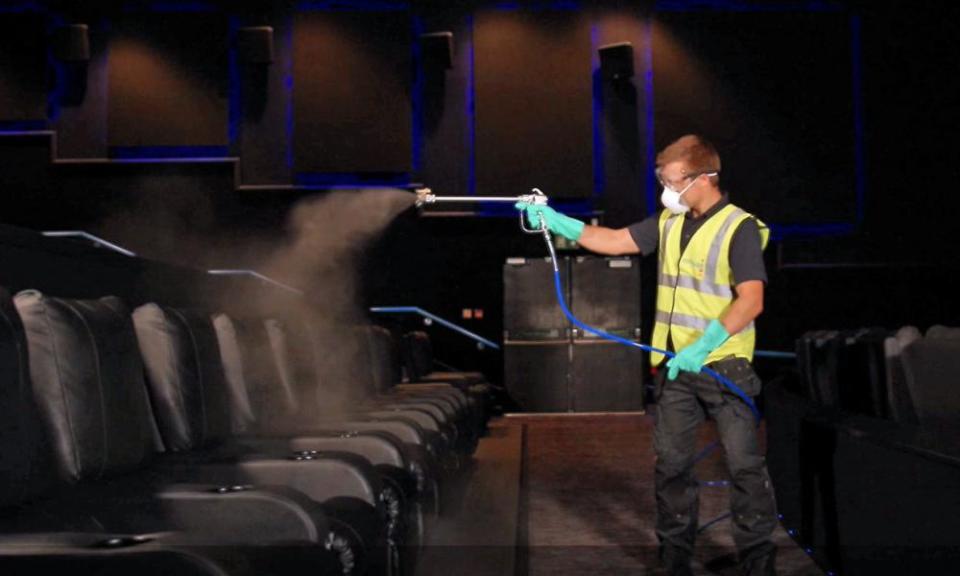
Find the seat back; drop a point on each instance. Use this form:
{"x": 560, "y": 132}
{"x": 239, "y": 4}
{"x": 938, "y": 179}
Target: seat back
{"x": 899, "y": 401}
{"x": 238, "y": 374}
{"x": 386, "y": 367}
{"x": 341, "y": 361}
{"x": 932, "y": 370}
{"x": 862, "y": 378}
{"x": 289, "y": 372}
{"x": 257, "y": 360}
{"x": 417, "y": 355}
{"x": 817, "y": 366}
{"x": 187, "y": 391}
{"x": 941, "y": 332}
{"x": 25, "y": 466}
{"x": 88, "y": 382}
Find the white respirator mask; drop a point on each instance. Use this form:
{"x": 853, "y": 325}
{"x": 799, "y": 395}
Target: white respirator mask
{"x": 671, "y": 198}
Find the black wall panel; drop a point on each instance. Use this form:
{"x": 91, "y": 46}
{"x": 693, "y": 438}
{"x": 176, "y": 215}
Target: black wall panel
{"x": 774, "y": 92}
{"x": 23, "y": 67}
{"x": 168, "y": 80}
{"x": 534, "y": 103}
{"x": 352, "y": 81}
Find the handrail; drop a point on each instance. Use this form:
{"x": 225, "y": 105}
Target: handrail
{"x": 254, "y": 273}
{"x": 434, "y": 318}
{"x": 88, "y": 236}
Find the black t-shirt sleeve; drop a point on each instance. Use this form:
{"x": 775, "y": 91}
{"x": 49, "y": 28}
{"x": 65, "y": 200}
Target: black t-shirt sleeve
{"x": 646, "y": 234}
{"x": 746, "y": 253}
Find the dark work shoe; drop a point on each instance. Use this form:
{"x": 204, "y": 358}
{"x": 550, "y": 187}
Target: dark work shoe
{"x": 761, "y": 562}
{"x": 675, "y": 561}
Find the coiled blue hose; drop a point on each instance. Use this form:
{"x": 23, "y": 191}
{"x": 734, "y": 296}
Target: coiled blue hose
{"x": 613, "y": 337}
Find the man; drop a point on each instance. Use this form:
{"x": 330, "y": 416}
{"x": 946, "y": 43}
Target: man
{"x": 710, "y": 289}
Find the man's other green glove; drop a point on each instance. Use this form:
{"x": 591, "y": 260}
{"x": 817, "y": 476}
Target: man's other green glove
{"x": 691, "y": 358}
{"x": 565, "y": 226}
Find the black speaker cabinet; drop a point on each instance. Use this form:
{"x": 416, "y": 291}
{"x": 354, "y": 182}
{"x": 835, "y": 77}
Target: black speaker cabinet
{"x": 71, "y": 43}
{"x": 606, "y": 294}
{"x": 616, "y": 61}
{"x": 255, "y": 44}
{"x": 551, "y": 368}
{"x": 606, "y": 377}
{"x": 437, "y": 49}
{"x": 530, "y": 310}
{"x": 536, "y": 375}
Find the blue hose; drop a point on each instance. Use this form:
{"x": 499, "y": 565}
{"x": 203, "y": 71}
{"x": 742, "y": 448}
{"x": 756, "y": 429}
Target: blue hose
{"x": 576, "y": 322}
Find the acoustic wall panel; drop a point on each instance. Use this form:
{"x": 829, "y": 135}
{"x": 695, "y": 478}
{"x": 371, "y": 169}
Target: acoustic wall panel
{"x": 534, "y": 103}
{"x": 23, "y": 67}
{"x": 352, "y": 92}
{"x": 164, "y": 91}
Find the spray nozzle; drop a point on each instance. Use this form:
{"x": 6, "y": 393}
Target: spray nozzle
{"x": 425, "y": 196}
{"x": 537, "y": 198}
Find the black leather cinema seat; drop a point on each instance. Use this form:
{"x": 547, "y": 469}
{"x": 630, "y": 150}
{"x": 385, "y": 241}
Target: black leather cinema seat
{"x": 355, "y": 389}
{"x": 471, "y": 396}
{"x": 249, "y": 364}
{"x": 192, "y": 402}
{"x": 98, "y": 520}
{"x": 419, "y": 361}
{"x": 87, "y": 377}
{"x": 931, "y": 368}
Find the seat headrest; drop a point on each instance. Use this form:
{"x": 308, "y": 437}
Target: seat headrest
{"x": 184, "y": 376}
{"x": 25, "y": 463}
{"x": 88, "y": 382}
{"x": 232, "y": 355}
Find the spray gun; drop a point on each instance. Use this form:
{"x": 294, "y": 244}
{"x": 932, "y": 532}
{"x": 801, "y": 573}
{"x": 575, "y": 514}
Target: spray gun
{"x": 536, "y": 197}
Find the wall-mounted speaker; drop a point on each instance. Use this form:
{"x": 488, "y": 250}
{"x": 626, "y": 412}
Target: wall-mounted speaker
{"x": 437, "y": 49}
{"x": 616, "y": 61}
{"x": 255, "y": 44}
{"x": 71, "y": 43}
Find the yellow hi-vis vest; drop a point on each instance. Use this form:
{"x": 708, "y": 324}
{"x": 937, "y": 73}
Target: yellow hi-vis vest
{"x": 696, "y": 286}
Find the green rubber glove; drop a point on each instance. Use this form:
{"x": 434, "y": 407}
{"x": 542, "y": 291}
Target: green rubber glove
{"x": 691, "y": 358}
{"x": 565, "y": 226}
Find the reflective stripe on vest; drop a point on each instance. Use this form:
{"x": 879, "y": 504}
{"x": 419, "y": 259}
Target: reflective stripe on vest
{"x": 695, "y": 286}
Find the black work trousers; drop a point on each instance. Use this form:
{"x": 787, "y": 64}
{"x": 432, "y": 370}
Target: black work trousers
{"x": 682, "y": 405}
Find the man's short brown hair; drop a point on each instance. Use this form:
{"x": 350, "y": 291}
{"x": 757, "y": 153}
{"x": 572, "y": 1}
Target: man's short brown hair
{"x": 693, "y": 150}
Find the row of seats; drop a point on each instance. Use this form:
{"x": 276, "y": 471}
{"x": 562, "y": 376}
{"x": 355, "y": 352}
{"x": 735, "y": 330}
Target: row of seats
{"x": 862, "y": 449}
{"x": 900, "y": 375}
{"x": 168, "y": 440}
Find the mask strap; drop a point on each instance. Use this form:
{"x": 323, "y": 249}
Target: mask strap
{"x": 692, "y": 182}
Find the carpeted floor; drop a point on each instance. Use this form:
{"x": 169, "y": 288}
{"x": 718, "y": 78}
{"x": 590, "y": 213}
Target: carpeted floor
{"x": 587, "y": 501}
